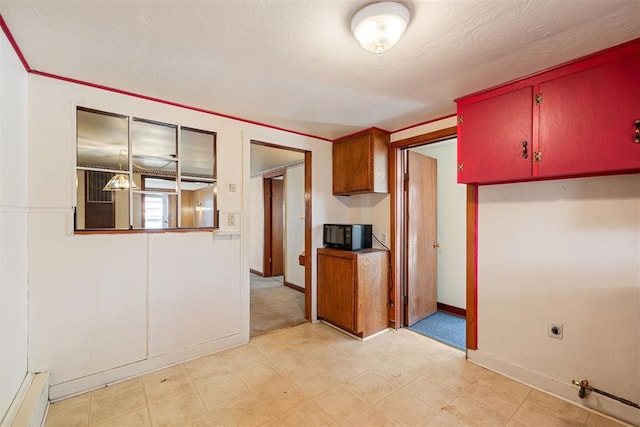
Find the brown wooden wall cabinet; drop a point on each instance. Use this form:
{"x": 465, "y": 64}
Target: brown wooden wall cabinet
{"x": 352, "y": 289}
{"x": 360, "y": 163}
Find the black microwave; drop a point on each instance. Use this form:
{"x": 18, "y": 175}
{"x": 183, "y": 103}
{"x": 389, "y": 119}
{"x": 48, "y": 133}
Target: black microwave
{"x": 350, "y": 237}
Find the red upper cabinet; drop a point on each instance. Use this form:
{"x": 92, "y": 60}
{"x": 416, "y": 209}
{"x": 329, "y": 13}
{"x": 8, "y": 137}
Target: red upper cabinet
{"x": 577, "y": 119}
{"x": 587, "y": 120}
{"x": 497, "y": 138}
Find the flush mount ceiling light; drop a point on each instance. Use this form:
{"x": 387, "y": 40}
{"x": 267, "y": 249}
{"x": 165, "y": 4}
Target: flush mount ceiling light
{"x": 378, "y": 26}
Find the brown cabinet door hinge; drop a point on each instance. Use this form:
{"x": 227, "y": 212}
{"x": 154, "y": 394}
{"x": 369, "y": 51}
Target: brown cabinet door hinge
{"x": 460, "y": 167}
{"x": 460, "y": 119}
{"x": 538, "y": 99}
{"x": 537, "y": 156}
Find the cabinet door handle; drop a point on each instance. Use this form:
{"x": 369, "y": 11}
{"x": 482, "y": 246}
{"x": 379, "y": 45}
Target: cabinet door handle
{"x": 525, "y": 153}
{"x": 636, "y": 139}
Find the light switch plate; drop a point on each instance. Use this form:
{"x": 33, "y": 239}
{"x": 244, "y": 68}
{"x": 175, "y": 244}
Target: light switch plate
{"x": 229, "y": 221}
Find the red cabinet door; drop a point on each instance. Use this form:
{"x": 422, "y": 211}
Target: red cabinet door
{"x": 491, "y": 138}
{"x": 587, "y": 120}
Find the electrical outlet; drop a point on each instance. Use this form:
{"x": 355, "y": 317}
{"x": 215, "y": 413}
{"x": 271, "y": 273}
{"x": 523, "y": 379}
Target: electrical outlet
{"x": 555, "y": 330}
{"x": 383, "y": 237}
{"x": 231, "y": 220}
{"x": 232, "y": 187}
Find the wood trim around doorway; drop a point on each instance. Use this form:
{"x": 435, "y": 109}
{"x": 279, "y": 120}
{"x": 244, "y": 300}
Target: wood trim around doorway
{"x": 307, "y": 221}
{"x": 472, "y": 267}
{"x": 396, "y": 309}
{"x": 307, "y": 235}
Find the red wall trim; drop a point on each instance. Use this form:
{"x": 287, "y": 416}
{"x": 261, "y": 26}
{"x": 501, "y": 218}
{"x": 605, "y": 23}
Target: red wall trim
{"x": 174, "y": 104}
{"x": 15, "y": 46}
{"x": 30, "y": 70}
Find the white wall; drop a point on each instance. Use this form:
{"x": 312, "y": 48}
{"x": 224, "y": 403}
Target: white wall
{"x": 106, "y": 307}
{"x": 371, "y": 209}
{"x": 451, "y": 224}
{"x": 566, "y": 251}
{"x": 13, "y": 225}
{"x": 294, "y": 224}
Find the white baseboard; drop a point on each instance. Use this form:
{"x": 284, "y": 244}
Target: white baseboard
{"x": 30, "y": 405}
{"x": 122, "y": 373}
{"x": 561, "y": 389}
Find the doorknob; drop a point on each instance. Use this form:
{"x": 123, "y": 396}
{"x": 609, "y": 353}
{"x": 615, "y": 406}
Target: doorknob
{"x": 436, "y": 245}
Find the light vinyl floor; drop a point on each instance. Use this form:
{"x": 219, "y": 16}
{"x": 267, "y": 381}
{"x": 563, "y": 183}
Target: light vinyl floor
{"x": 312, "y": 375}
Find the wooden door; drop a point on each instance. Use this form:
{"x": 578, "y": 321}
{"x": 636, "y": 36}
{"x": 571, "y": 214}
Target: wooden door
{"x": 492, "y": 134}
{"x": 273, "y": 248}
{"x": 420, "y": 214}
{"x": 277, "y": 227}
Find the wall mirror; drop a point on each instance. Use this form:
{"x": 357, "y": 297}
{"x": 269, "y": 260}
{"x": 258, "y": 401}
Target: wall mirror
{"x": 133, "y": 173}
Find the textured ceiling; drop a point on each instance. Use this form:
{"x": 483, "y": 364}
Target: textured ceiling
{"x": 296, "y": 65}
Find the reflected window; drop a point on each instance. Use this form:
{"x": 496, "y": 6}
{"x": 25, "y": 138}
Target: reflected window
{"x": 134, "y": 173}
{"x": 155, "y": 213}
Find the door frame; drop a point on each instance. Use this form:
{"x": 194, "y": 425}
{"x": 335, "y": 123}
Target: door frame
{"x": 307, "y": 221}
{"x": 398, "y": 270}
{"x": 268, "y": 221}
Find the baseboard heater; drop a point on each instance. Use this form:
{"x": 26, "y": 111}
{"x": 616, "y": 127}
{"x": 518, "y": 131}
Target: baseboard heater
{"x": 584, "y": 386}
{"x": 30, "y": 406}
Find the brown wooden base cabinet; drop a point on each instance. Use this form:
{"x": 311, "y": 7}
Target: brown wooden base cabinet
{"x": 353, "y": 289}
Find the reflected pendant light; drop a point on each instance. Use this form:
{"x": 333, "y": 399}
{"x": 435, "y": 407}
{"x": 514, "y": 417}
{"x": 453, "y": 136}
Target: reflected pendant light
{"x": 119, "y": 181}
{"x": 378, "y": 26}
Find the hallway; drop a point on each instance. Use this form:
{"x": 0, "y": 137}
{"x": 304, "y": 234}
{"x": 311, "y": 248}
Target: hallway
{"x": 273, "y": 305}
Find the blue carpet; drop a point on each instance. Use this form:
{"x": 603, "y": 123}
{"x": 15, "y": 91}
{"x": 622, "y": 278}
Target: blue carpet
{"x": 443, "y": 327}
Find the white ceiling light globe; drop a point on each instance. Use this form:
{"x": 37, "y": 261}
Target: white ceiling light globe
{"x": 378, "y": 26}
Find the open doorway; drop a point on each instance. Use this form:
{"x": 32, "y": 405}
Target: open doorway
{"x": 453, "y": 271}
{"x": 279, "y": 208}
{"x": 435, "y": 210}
